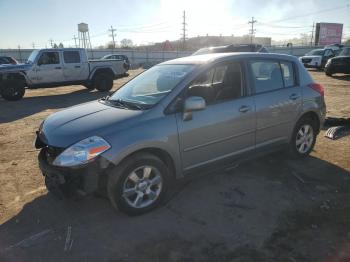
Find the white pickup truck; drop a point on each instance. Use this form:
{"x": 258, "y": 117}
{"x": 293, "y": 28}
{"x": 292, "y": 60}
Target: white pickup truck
{"x": 59, "y": 67}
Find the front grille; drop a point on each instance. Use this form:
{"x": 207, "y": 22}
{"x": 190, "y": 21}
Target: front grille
{"x": 52, "y": 152}
{"x": 306, "y": 60}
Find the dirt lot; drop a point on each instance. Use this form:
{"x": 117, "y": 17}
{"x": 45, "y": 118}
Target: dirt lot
{"x": 269, "y": 209}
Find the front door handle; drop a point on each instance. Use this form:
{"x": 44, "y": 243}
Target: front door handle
{"x": 244, "y": 109}
{"x": 58, "y": 67}
{"x": 294, "y": 96}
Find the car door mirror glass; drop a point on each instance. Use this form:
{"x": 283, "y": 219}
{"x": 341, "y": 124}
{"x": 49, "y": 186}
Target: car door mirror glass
{"x": 192, "y": 103}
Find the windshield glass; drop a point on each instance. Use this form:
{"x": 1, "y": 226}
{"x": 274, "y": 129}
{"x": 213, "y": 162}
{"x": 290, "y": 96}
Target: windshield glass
{"x": 32, "y": 56}
{"x": 345, "y": 52}
{"x": 316, "y": 52}
{"x": 150, "y": 87}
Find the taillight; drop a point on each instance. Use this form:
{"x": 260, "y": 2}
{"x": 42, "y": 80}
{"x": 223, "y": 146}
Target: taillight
{"x": 318, "y": 88}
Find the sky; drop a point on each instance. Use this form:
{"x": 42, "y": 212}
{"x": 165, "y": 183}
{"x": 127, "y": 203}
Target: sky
{"x": 35, "y": 22}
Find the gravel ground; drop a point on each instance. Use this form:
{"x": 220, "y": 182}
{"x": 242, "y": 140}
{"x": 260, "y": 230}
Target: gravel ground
{"x": 268, "y": 209}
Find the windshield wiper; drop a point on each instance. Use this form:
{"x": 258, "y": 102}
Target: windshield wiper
{"x": 126, "y": 104}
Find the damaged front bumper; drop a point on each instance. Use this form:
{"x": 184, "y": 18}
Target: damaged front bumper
{"x": 66, "y": 181}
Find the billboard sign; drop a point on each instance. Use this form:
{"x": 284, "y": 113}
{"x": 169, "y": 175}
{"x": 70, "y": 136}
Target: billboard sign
{"x": 328, "y": 33}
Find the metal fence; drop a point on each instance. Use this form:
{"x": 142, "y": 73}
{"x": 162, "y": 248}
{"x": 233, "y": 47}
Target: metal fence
{"x": 148, "y": 58}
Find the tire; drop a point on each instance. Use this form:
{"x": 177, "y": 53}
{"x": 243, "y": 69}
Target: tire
{"x": 12, "y": 90}
{"x": 328, "y": 72}
{"x": 303, "y": 138}
{"x": 103, "y": 82}
{"x": 130, "y": 184}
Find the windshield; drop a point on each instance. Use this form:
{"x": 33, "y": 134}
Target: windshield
{"x": 316, "y": 52}
{"x": 32, "y": 57}
{"x": 150, "y": 87}
{"x": 345, "y": 52}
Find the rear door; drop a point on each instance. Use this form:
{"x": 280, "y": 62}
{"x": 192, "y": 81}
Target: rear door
{"x": 74, "y": 68}
{"x": 226, "y": 127}
{"x": 277, "y": 99}
{"x": 49, "y": 68}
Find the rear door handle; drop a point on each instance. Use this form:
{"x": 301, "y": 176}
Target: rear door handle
{"x": 294, "y": 96}
{"x": 58, "y": 67}
{"x": 244, "y": 109}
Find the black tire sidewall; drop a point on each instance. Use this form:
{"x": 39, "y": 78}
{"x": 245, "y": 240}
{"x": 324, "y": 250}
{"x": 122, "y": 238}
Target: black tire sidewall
{"x": 98, "y": 79}
{"x": 118, "y": 175}
{"x": 293, "y": 150}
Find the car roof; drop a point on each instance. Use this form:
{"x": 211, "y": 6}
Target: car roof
{"x": 215, "y": 57}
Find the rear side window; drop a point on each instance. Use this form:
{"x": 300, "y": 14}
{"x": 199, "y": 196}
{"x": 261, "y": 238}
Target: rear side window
{"x": 267, "y": 76}
{"x": 288, "y": 74}
{"x": 71, "y": 57}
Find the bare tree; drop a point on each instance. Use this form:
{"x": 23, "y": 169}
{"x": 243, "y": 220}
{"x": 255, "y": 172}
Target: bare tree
{"x": 126, "y": 43}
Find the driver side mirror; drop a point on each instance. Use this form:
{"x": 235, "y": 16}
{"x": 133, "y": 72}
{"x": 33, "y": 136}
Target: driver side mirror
{"x": 192, "y": 103}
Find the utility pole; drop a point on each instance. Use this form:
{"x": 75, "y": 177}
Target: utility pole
{"x": 184, "y": 31}
{"x": 312, "y": 34}
{"x": 252, "y": 30}
{"x": 75, "y": 41}
{"x": 112, "y": 30}
{"x": 51, "y": 43}
{"x": 33, "y": 45}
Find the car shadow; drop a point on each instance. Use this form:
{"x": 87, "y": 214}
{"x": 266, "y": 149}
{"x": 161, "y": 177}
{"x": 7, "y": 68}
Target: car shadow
{"x": 48, "y": 229}
{"x": 15, "y": 110}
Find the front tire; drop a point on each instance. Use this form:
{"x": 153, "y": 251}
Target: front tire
{"x": 303, "y": 138}
{"x": 103, "y": 82}
{"x": 138, "y": 184}
{"x": 12, "y": 90}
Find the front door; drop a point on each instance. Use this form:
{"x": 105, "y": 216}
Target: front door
{"x": 226, "y": 127}
{"x": 277, "y": 99}
{"x": 49, "y": 68}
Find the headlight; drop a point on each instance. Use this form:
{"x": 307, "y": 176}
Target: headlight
{"x": 82, "y": 152}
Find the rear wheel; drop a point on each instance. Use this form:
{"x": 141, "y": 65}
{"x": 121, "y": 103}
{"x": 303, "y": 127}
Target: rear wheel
{"x": 89, "y": 86}
{"x": 303, "y": 138}
{"x": 139, "y": 184}
{"x": 12, "y": 90}
{"x": 103, "y": 82}
{"x": 328, "y": 72}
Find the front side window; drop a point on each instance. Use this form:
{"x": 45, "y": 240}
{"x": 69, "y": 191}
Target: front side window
{"x": 71, "y": 57}
{"x": 267, "y": 76}
{"x": 49, "y": 58}
{"x": 221, "y": 83}
{"x": 150, "y": 87}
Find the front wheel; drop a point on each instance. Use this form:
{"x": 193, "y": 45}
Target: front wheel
{"x": 12, "y": 90}
{"x": 139, "y": 184}
{"x": 303, "y": 138}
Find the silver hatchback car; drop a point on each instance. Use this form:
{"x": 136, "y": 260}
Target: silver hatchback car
{"x": 180, "y": 117}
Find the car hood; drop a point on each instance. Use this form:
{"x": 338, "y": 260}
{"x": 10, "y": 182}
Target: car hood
{"x": 340, "y": 58}
{"x": 8, "y": 68}
{"x": 73, "y": 124}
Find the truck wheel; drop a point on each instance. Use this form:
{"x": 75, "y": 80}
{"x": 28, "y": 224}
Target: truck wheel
{"x": 138, "y": 184}
{"x": 303, "y": 138}
{"x": 12, "y": 90}
{"x": 103, "y": 82}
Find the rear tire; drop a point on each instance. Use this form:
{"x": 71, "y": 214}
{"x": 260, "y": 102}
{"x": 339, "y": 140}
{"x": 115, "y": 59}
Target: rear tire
{"x": 328, "y": 72}
{"x": 103, "y": 82}
{"x": 138, "y": 184}
{"x": 303, "y": 138}
{"x": 12, "y": 90}
{"x": 89, "y": 86}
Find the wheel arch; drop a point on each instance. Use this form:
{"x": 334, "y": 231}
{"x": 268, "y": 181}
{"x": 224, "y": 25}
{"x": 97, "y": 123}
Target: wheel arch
{"x": 314, "y": 117}
{"x": 103, "y": 70}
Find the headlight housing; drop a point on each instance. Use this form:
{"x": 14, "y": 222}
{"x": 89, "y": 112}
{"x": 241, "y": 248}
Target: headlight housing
{"x": 82, "y": 152}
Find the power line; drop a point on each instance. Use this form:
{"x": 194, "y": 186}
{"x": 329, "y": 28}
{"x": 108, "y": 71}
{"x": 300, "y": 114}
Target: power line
{"x": 252, "y": 30}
